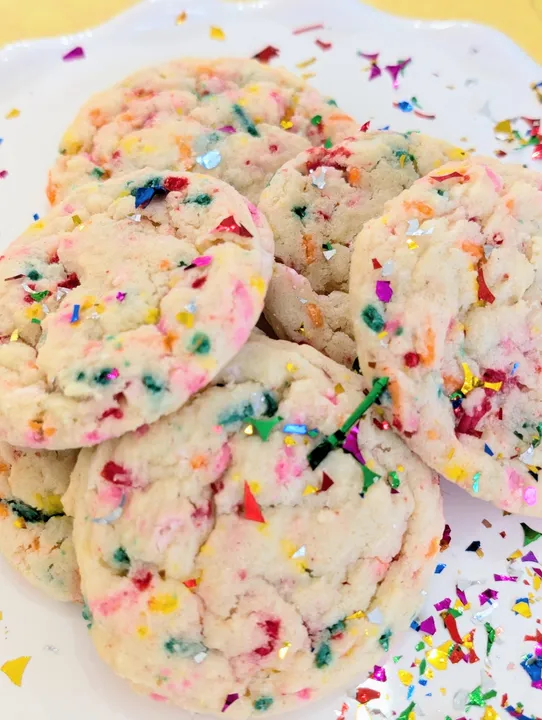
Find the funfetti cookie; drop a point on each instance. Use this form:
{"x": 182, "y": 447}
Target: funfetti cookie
{"x": 264, "y": 544}
{"x": 445, "y": 291}
{"x": 35, "y": 533}
{"x": 128, "y": 298}
{"x": 234, "y": 118}
{"x": 316, "y": 205}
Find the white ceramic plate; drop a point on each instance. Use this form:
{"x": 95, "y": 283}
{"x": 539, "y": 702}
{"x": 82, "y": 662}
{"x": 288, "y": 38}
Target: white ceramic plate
{"x": 467, "y": 75}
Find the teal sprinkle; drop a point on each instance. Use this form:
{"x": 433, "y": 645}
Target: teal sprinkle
{"x": 384, "y": 640}
{"x": 151, "y": 384}
{"x": 183, "y": 648}
{"x": 323, "y": 656}
{"x": 33, "y": 275}
{"x": 238, "y": 414}
{"x": 372, "y": 318}
{"x": 199, "y": 344}
{"x": 337, "y": 628}
{"x": 263, "y": 703}
{"x": 87, "y": 615}
{"x": 271, "y": 405}
{"x": 245, "y": 121}
{"x": 97, "y": 172}
{"x": 102, "y": 378}
{"x": 28, "y": 513}
{"x": 203, "y": 199}
{"x": 476, "y": 482}
{"x": 120, "y": 556}
{"x": 403, "y": 153}
{"x": 332, "y": 102}
{"x": 80, "y": 376}
{"x": 155, "y": 182}
{"x": 300, "y": 211}
{"x": 440, "y": 191}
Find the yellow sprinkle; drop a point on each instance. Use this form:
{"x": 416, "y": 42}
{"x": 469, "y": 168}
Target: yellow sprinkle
{"x": 537, "y": 582}
{"x": 428, "y": 640}
{"x": 443, "y": 691}
{"x": 88, "y": 302}
{"x": 490, "y": 714}
{"x": 523, "y": 609}
{"x": 308, "y": 76}
{"x": 305, "y": 63}
{"x": 129, "y": 144}
{"x": 181, "y": 17}
{"x": 458, "y": 605}
{"x": 480, "y": 553}
{"x": 152, "y": 316}
{"x": 216, "y": 33}
{"x": 163, "y": 603}
{"x": 338, "y": 389}
{"x": 471, "y": 381}
{"x": 402, "y": 161}
{"x": 284, "y": 650}
{"x": 14, "y": 336}
{"x": 451, "y": 453}
{"x": 50, "y": 504}
{"x": 454, "y": 472}
{"x": 382, "y": 334}
{"x": 309, "y": 490}
{"x": 1, "y": 616}
{"x": 456, "y": 153}
{"x": 411, "y": 244}
{"x": 493, "y": 386}
{"x": 185, "y": 318}
{"x": 437, "y": 659}
{"x": 429, "y": 674}
{"x": 206, "y": 549}
{"x": 405, "y": 677}
{"x": 249, "y": 430}
{"x": 19, "y": 523}
{"x": 291, "y": 367}
{"x": 142, "y": 631}
{"x": 34, "y": 311}
{"x": 38, "y": 225}
{"x": 356, "y": 615}
{"x": 14, "y": 669}
{"x": 286, "y": 124}
{"x": 76, "y": 220}
{"x": 289, "y": 440}
{"x": 400, "y": 468}
{"x": 258, "y": 283}
{"x": 99, "y": 308}
{"x": 255, "y": 486}
{"x": 13, "y": 113}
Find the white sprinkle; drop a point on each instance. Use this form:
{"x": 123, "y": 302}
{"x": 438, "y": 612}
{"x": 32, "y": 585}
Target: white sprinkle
{"x": 328, "y": 254}
{"x": 300, "y": 553}
{"x": 375, "y": 617}
{"x": 200, "y": 657}
{"x": 318, "y": 177}
{"x": 387, "y": 268}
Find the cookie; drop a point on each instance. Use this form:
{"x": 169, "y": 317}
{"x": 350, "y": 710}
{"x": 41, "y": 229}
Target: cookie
{"x": 234, "y": 118}
{"x": 241, "y": 559}
{"x": 35, "y": 533}
{"x": 445, "y": 292}
{"x": 316, "y": 204}
{"x": 124, "y": 301}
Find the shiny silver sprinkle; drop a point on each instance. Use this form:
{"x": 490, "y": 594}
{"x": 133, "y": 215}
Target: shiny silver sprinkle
{"x": 481, "y": 616}
{"x": 51, "y": 648}
{"x": 136, "y": 217}
{"x": 471, "y": 81}
{"x": 460, "y": 699}
{"x": 45, "y": 308}
{"x": 485, "y": 111}
{"x": 375, "y": 617}
{"x": 488, "y": 249}
{"x": 414, "y": 229}
{"x": 113, "y": 515}
{"x": 387, "y": 268}
{"x": 328, "y": 254}
{"x": 318, "y": 177}
{"x": 200, "y": 657}
{"x": 300, "y": 553}
{"x": 60, "y": 293}
{"x": 303, "y": 301}
{"x": 190, "y": 307}
{"x": 527, "y": 456}
{"x": 210, "y": 160}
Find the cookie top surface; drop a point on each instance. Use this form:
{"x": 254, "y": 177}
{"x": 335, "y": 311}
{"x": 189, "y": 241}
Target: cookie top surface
{"x": 445, "y": 292}
{"x": 113, "y": 315}
{"x": 234, "y": 570}
{"x": 35, "y": 533}
{"x": 316, "y": 205}
{"x": 234, "y": 118}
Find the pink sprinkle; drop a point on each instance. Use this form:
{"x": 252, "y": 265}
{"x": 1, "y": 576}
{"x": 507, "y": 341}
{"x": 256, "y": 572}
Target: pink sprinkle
{"x": 428, "y": 626}
{"x": 3, "y": 173}
{"x": 76, "y": 54}
{"x": 227, "y": 129}
{"x": 384, "y": 291}
{"x": 308, "y": 28}
{"x": 202, "y": 261}
{"x": 538, "y": 571}
{"x": 230, "y": 699}
{"x": 495, "y": 179}
{"x": 373, "y": 57}
{"x": 350, "y": 445}
{"x": 379, "y": 673}
{"x": 158, "y": 698}
{"x": 443, "y": 604}
{"x": 530, "y": 495}
{"x": 394, "y": 71}
{"x": 537, "y": 684}
{"x": 113, "y": 375}
{"x": 375, "y": 71}
{"x": 323, "y": 45}
{"x": 505, "y": 578}
{"x": 121, "y": 296}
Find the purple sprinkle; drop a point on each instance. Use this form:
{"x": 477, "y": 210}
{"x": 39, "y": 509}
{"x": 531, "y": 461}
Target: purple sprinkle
{"x": 394, "y": 71}
{"x": 461, "y": 595}
{"x": 373, "y": 57}
{"x": 230, "y": 699}
{"x": 505, "y": 578}
{"x": 76, "y": 54}
{"x": 227, "y": 129}
{"x": 375, "y": 71}
{"x": 428, "y": 626}
{"x": 537, "y": 684}
{"x": 443, "y": 605}
{"x": 538, "y": 571}
{"x": 350, "y": 445}
{"x": 487, "y": 596}
{"x": 113, "y": 374}
{"x": 379, "y": 673}
{"x": 121, "y": 296}
{"x": 384, "y": 291}
{"x": 530, "y": 557}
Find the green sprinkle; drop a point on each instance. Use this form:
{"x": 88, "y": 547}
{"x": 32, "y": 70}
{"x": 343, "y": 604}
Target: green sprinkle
{"x": 39, "y": 296}
{"x": 263, "y": 703}
{"x": 33, "y": 275}
{"x": 313, "y": 433}
{"x": 372, "y": 318}
{"x": 241, "y": 413}
{"x": 491, "y": 635}
{"x": 245, "y": 121}
{"x": 199, "y": 344}
{"x": 87, "y": 615}
{"x": 529, "y": 535}
{"x": 323, "y": 656}
{"x": 423, "y": 666}
{"x": 420, "y": 646}
{"x": 28, "y": 513}
{"x": 80, "y": 376}
{"x": 440, "y": 191}
{"x": 478, "y": 699}
{"x": 393, "y": 480}
{"x": 328, "y": 144}
{"x": 151, "y": 384}
{"x": 300, "y": 211}
{"x": 184, "y": 648}
{"x": 97, "y": 172}
{"x": 203, "y": 199}
{"x": 384, "y": 640}
{"x": 399, "y": 331}
{"x": 264, "y": 428}
{"x": 36, "y": 321}
{"x": 316, "y": 120}
{"x": 369, "y": 478}
{"x": 120, "y": 556}
{"x": 338, "y": 627}
{"x": 396, "y": 658}
{"x": 406, "y": 712}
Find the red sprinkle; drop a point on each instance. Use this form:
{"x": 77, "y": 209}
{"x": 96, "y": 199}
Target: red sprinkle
{"x": 364, "y": 695}
{"x": 252, "y": 509}
{"x": 71, "y": 282}
{"x": 365, "y": 126}
{"x": 267, "y": 54}
{"x": 116, "y": 474}
{"x": 484, "y": 293}
{"x": 449, "y": 176}
{"x": 199, "y": 282}
{"x": 175, "y": 184}
{"x": 229, "y": 224}
{"x": 112, "y": 412}
{"x": 327, "y": 482}
{"x": 3, "y": 173}
{"x": 376, "y": 264}
{"x": 142, "y": 579}
{"x": 308, "y": 28}
{"x": 412, "y": 359}
{"x": 323, "y": 45}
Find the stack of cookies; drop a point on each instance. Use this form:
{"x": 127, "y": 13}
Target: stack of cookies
{"x": 248, "y": 521}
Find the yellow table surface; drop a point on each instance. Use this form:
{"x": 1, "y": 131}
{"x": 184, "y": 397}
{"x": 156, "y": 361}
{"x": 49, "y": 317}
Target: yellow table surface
{"x": 519, "y": 19}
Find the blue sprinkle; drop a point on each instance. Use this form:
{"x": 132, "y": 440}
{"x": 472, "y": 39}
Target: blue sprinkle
{"x": 440, "y": 567}
{"x": 512, "y": 711}
{"x": 514, "y": 368}
{"x": 143, "y": 196}
{"x": 533, "y": 667}
{"x": 210, "y": 160}
{"x": 36, "y": 216}
{"x": 422, "y": 681}
{"x": 295, "y": 429}
{"x": 488, "y": 450}
{"x": 1, "y": 140}
{"x": 75, "y": 313}
{"x": 410, "y": 692}
{"x": 405, "y": 106}
{"x": 415, "y": 625}
{"x": 386, "y": 127}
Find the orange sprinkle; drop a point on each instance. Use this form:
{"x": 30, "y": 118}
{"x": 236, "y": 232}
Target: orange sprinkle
{"x": 423, "y": 209}
{"x": 35, "y": 544}
{"x": 185, "y": 151}
{"x": 339, "y": 117}
{"x": 315, "y": 314}
{"x": 354, "y": 176}
{"x": 428, "y": 357}
{"x": 4, "y": 467}
{"x": 165, "y": 265}
{"x": 97, "y": 118}
{"x": 451, "y": 383}
{"x": 198, "y": 461}
{"x": 432, "y": 434}
{"x": 36, "y": 425}
{"x": 49, "y": 432}
{"x": 510, "y": 204}
{"x": 472, "y": 249}
{"x": 396, "y": 399}
{"x": 51, "y": 190}
{"x": 433, "y": 548}
{"x": 169, "y": 341}
{"x": 310, "y": 248}
{"x": 4, "y": 512}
